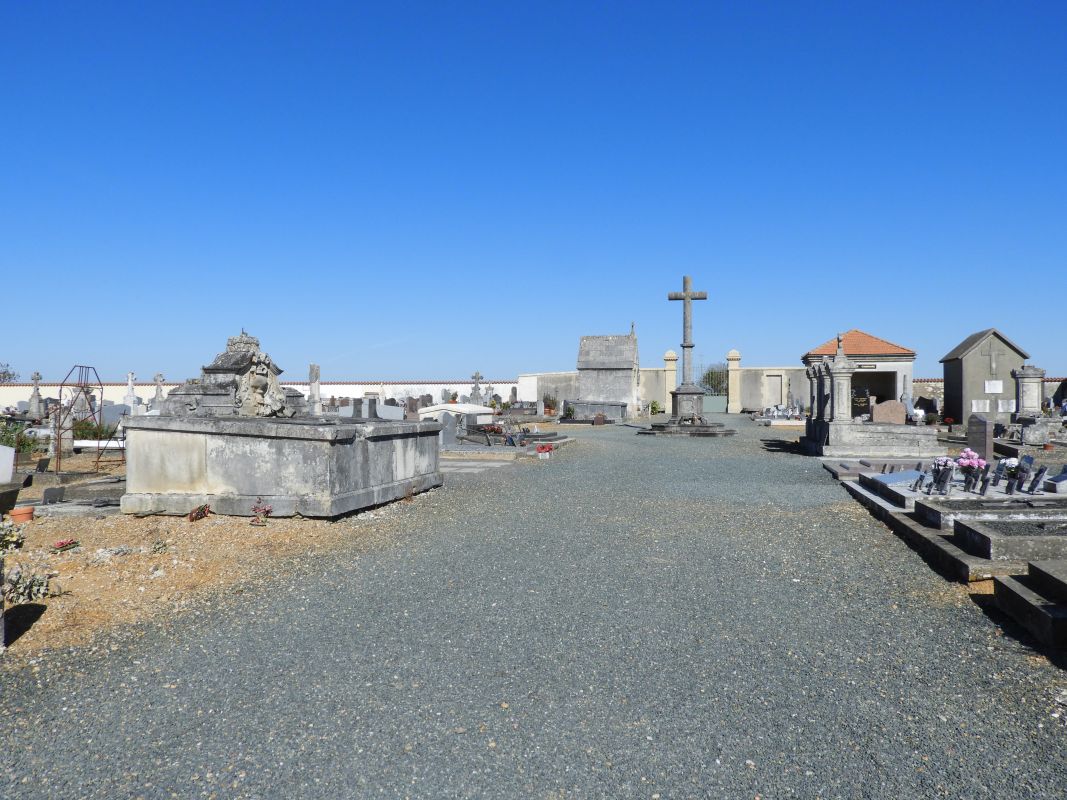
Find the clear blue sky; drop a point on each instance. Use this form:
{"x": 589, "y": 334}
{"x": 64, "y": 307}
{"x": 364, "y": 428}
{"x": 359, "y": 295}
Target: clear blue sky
{"x": 407, "y": 190}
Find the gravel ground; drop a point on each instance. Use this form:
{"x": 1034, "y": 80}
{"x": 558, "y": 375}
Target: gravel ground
{"x": 637, "y": 617}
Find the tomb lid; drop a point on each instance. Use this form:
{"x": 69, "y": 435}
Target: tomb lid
{"x": 975, "y": 339}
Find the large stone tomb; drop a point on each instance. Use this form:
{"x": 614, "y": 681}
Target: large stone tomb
{"x": 608, "y": 378}
{"x": 235, "y": 437}
{"x": 308, "y": 466}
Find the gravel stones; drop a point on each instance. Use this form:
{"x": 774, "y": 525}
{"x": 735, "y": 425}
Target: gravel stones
{"x": 615, "y": 622}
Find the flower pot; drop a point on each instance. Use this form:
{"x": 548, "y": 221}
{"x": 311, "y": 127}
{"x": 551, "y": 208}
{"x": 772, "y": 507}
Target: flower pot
{"x": 21, "y": 514}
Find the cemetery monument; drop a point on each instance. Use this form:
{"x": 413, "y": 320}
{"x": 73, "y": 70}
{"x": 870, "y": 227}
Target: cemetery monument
{"x": 687, "y": 401}
{"x": 234, "y": 437}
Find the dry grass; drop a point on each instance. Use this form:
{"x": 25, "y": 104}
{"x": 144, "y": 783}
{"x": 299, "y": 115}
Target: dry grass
{"x": 203, "y": 556}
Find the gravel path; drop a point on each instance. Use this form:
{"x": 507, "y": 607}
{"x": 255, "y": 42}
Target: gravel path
{"x": 639, "y": 617}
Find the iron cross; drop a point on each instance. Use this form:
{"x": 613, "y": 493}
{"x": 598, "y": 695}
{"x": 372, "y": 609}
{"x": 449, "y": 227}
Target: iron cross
{"x": 687, "y": 296}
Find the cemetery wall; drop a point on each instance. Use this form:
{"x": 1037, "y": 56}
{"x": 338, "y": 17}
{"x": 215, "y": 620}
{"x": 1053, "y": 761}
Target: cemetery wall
{"x": 560, "y": 385}
{"x": 762, "y": 387}
{"x": 11, "y": 394}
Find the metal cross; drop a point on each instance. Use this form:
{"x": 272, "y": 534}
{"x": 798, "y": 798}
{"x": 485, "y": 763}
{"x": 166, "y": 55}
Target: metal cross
{"x": 687, "y": 295}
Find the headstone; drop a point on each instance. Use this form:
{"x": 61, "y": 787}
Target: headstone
{"x": 131, "y": 394}
{"x": 448, "y": 429}
{"x": 476, "y": 390}
{"x": 513, "y": 398}
{"x": 36, "y": 408}
{"x": 1036, "y": 482}
{"x": 599, "y": 419}
{"x": 889, "y": 412}
{"x": 157, "y": 401}
{"x": 53, "y": 495}
{"x": 7, "y": 463}
{"x": 980, "y": 436}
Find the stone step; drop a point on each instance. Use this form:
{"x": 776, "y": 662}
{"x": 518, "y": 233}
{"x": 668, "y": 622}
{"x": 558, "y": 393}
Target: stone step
{"x": 1045, "y": 619}
{"x": 1050, "y": 578}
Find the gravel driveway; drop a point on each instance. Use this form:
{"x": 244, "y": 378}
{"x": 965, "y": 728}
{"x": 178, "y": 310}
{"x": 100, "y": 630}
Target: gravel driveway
{"x": 638, "y": 617}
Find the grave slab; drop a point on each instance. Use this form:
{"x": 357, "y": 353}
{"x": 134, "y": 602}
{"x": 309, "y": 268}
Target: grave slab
{"x": 1025, "y": 540}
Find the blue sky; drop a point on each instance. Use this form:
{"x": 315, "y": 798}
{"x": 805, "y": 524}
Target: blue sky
{"x": 407, "y": 190}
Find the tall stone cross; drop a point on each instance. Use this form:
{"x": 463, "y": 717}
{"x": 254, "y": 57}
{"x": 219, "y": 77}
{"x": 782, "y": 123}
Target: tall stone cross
{"x": 687, "y": 296}
{"x": 477, "y": 376}
{"x": 36, "y": 378}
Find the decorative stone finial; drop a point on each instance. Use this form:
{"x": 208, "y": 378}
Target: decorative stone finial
{"x": 242, "y": 343}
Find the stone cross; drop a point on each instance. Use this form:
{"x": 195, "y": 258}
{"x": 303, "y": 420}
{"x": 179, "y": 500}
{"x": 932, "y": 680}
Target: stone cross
{"x": 477, "y": 376}
{"x": 159, "y": 390}
{"x": 992, "y": 351}
{"x": 36, "y": 378}
{"x": 130, "y": 378}
{"x": 687, "y": 295}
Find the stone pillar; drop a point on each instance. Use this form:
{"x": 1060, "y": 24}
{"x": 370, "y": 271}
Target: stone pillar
{"x": 314, "y": 391}
{"x": 823, "y": 370}
{"x": 813, "y": 391}
{"x": 1028, "y": 387}
{"x": 841, "y": 369}
{"x": 670, "y": 377}
{"x": 733, "y": 375}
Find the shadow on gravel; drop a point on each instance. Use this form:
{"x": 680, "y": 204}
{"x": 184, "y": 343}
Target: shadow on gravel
{"x": 1013, "y": 630}
{"x": 782, "y": 446}
{"x": 19, "y": 619}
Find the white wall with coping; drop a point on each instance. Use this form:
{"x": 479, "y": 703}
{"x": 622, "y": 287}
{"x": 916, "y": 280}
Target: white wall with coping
{"x": 11, "y": 394}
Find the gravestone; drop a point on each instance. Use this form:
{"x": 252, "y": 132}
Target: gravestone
{"x": 157, "y": 401}
{"x": 36, "y": 408}
{"x": 7, "y": 463}
{"x": 446, "y": 396}
{"x": 475, "y": 396}
{"x": 448, "y": 429}
{"x": 514, "y": 397}
{"x": 890, "y": 412}
{"x": 131, "y": 394}
{"x": 1036, "y": 482}
{"x": 1058, "y": 483}
{"x": 980, "y": 436}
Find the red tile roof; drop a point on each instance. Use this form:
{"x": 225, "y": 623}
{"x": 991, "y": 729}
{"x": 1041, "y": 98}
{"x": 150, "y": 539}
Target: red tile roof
{"x": 859, "y": 343}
